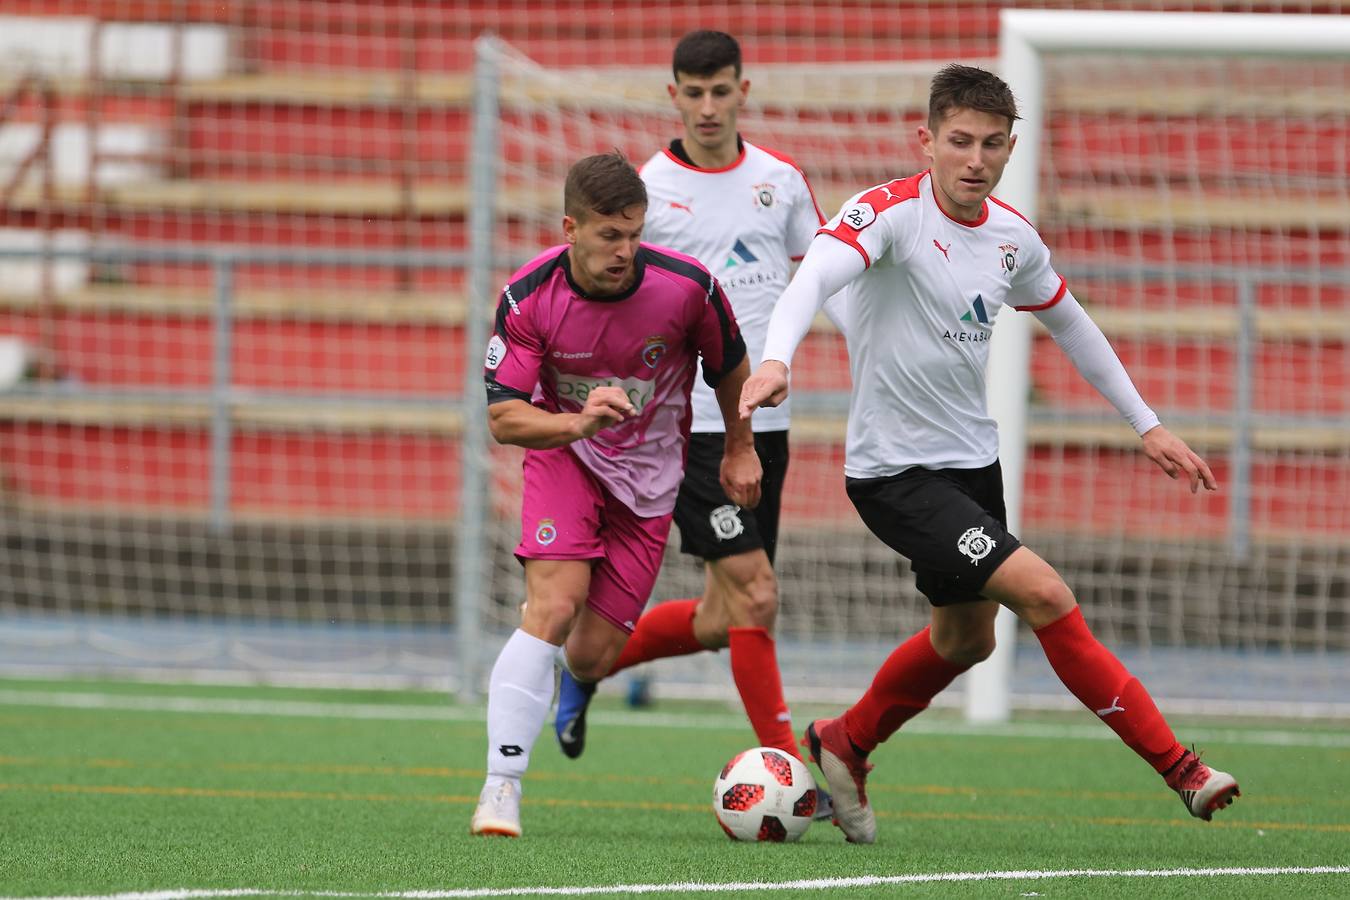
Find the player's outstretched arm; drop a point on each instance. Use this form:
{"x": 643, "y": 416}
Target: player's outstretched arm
{"x": 525, "y": 425}
{"x": 829, "y": 265}
{"x": 741, "y": 469}
{"x": 1175, "y": 458}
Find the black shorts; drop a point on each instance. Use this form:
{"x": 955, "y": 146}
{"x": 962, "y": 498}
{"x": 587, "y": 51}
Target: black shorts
{"x": 950, "y": 523}
{"x": 711, "y": 526}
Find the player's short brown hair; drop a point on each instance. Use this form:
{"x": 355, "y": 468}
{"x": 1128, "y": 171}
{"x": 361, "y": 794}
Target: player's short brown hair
{"x": 704, "y": 53}
{"x": 605, "y": 184}
{"x": 966, "y": 87}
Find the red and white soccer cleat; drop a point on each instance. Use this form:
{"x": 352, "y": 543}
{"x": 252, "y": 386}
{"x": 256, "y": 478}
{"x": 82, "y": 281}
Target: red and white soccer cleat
{"x": 1202, "y": 789}
{"x": 846, "y": 774}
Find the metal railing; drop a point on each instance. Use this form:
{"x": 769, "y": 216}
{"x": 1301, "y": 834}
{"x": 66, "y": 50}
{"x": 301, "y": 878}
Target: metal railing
{"x": 223, "y": 394}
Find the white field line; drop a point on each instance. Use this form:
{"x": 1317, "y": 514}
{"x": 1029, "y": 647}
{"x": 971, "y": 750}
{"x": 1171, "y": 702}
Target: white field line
{"x": 701, "y": 887}
{"x": 619, "y": 718}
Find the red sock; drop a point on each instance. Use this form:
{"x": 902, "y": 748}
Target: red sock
{"x": 909, "y": 678}
{"x": 754, "y": 668}
{"x": 666, "y": 629}
{"x": 1106, "y": 687}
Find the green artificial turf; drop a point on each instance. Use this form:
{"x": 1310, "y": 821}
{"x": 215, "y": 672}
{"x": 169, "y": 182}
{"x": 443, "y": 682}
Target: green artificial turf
{"x": 362, "y": 793}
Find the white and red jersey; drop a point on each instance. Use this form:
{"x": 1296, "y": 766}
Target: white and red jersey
{"x": 921, "y": 316}
{"x": 746, "y": 223}
{"x": 552, "y": 345}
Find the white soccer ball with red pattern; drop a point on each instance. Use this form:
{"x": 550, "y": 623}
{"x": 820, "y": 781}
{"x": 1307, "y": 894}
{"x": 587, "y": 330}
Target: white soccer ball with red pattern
{"x": 764, "y": 795}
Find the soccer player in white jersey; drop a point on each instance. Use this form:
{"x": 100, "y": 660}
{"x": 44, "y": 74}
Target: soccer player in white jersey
{"x": 747, "y": 213}
{"x": 931, "y": 261}
{"x": 589, "y": 367}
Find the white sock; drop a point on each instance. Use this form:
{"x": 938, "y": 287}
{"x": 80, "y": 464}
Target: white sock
{"x": 520, "y": 692}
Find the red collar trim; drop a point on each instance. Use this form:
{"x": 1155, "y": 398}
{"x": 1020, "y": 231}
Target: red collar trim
{"x": 984, "y": 206}
{"x": 740, "y": 158}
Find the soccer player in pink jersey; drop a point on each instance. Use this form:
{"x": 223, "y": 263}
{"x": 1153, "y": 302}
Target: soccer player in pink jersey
{"x": 930, "y": 262}
{"x": 590, "y": 368}
{"x": 747, "y": 213}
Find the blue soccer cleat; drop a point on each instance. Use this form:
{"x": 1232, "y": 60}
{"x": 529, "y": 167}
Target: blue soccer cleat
{"x": 824, "y": 805}
{"x": 574, "y": 698}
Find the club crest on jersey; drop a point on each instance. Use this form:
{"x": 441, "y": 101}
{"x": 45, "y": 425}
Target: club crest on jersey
{"x": 1007, "y": 257}
{"x": 653, "y": 350}
{"x": 546, "y": 533}
{"x": 764, "y": 194}
{"x": 975, "y": 544}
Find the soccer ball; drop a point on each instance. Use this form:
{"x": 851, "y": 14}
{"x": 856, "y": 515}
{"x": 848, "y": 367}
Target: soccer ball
{"x": 764, "y": 795}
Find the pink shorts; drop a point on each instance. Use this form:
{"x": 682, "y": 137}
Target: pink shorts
{"x": 567, "y": 513}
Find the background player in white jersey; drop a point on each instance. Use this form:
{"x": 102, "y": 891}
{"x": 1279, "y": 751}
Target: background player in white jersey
{"x": 589, "y": 367}
{"x": 930, "y": 261}
{"x": 747, "y": 213}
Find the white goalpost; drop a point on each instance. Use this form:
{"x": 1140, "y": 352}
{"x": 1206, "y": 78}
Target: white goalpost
{"x": 1026, "y": 37}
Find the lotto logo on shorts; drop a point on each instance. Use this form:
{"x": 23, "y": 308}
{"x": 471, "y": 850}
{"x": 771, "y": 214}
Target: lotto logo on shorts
{"x": 546, "y": 533}
{"x": 975, "y": 544}
{"x": 726, "y": 522}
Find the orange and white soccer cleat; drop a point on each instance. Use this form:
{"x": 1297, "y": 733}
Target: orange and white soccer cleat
{"x": 846, "y": 774}
{"x": 498, "y": 811}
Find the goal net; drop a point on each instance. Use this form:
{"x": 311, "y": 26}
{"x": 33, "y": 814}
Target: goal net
{"x": 1187, "y": 168}
{"x": 1197, "y": 205}
{"x": 236, "y": 269}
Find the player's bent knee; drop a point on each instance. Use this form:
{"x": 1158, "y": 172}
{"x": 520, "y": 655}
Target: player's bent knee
{"x": 965, "y": 649}
{"x": 759, "y": 607}
{"x": 755, "y": 601}
{"x": 550, "y": 618}
{"x": 710, "y": 624}
{"x": 1045, "y": 601}
{"x": 589, "y": 669}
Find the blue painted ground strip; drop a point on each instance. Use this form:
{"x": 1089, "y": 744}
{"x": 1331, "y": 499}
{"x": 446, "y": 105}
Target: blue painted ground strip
{"x": 424, "y": 656}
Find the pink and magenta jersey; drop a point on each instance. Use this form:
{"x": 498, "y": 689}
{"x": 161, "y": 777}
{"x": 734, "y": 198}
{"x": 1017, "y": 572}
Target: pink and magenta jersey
{"x": 553, "y": 344}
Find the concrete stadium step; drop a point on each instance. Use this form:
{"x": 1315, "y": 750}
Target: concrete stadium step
{"x": 440, "y": 36}
{"x": 1289, "y": 375}
{"x": 253, "y": 411}
{"x": 355, "y": 338}
{"x": 1125, "y": 208}
{"x": 368, "y": 343}
{"x": 277, "y": 117}
{"x": 316, "y": 122}
{"x": 157, "y": 302}
{"x": 411, "y": 342}
{"x": 256, "y": 228}
{"x": 1144, "y": 244}
{"x": 371, "y": 463}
